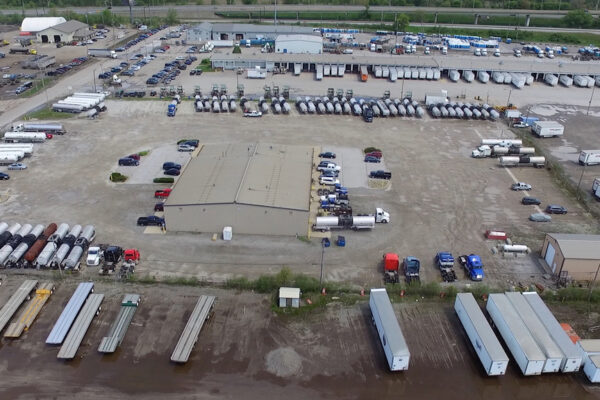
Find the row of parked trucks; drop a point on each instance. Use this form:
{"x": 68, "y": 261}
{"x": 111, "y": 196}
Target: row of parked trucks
{"x": 510, "y": 153}
{"x": 443, "y": 260}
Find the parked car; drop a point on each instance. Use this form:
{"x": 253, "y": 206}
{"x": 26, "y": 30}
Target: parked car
{"x": 521, "y": 186}
{"x": 172, "y": 172}
{"x": 185, "y": 147}
{"x": 159, "y": 207}
{"x": 162, "y": 193}
{"x": 134, "y": 156}
{"x": 328, "y": 166}
{"x": 193, "y": 142}
{"x": 327, "y": 180}
{"x": 171, "y": 165}
{"x": 329, "y": 173}
{"x": 129, "y": 162}
{"x": 376, "y": 153}
{"x": 17, "y": 166}
{"x": 252, "y": 114}
{"x": 150, "y": 220}
{"x": 521, "y": 125}
{"x": 530, "y": 201}
{"x": 371, "y": 159}
{"x": 540, "y": 217}
{"x": 327, "y": 154}
{"x": 555, "y": 209}
{"x": 380, "y": 174}
{"x": 4, "y": 177}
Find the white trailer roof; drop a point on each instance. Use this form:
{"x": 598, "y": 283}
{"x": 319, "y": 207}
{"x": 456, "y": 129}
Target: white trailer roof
{"x": 590, "y": 345}
{"x": 392, "y": 330}
{"x": 535, "y": 326}
{"x": 517, "y": 327}
{"x": 484, "y": 330}
{"x": 13, "y": 304}
{"x": 190, "y": 333}
{"x": 548, "y": 124}
{"x": 80, "y": 327}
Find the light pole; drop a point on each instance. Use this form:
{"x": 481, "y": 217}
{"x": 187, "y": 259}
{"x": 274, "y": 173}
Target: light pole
{"x": 591, "y": 97}
{"x": 322, "y": 257}
{"x": 508, "y": 100}
{"x": 579, "y": 183}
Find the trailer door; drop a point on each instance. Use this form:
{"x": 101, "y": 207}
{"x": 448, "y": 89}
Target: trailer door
{"x": 550, "y": 252}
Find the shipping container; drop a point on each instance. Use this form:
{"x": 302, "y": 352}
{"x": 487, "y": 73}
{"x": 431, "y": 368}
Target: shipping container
{"x": 393, "y": 342}
{"x": 554, "y": 356}
{"x": 522, "y": 346}
{"x": 589, "y": 157}
{"x": 547, "y": 128}
{"x": 482, "y": 337}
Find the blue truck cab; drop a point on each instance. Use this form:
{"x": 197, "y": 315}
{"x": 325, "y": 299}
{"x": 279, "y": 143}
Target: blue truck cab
{"x": 474, "y": 267}
{"x": 171, "y": 110}
{"x": 412, "y": 265}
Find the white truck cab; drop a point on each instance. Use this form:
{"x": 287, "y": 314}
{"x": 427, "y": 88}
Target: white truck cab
{"x": 94, "y": 255}
{"x": 382, "y": 216}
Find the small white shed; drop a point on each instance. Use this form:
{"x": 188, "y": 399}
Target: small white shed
{"x": 289, "y": 297}
{"x": 227, "y": 233}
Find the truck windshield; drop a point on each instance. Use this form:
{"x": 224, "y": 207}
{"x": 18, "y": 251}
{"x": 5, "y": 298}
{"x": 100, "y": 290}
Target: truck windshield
{"x": 93, "y": 252}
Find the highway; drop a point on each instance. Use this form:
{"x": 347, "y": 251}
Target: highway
{"x": 207, "y": 10}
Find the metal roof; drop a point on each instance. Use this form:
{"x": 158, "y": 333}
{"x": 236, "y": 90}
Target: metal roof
{"x": 190, "y": 333}
{"x": 391, "y": 328}
{"x": 260, "y": 174}
{"x": 13, "y": 304}
{"x": 459, "y": 62}
{"x": 119, "y": 328}
{"x": 301, "y": 38}
{"x": 69, "y": 26}
{"x": 250, "y": 28}
{"x": 289, "y": 293}
{"x": 37, "y": 24}
{"x": 28, "y": 315}
{"x": 584, "y": 247}
{"x": 80, "y": 327}
{"x": 64, "y": 322}
{"x": 552, "y": 325}
{"x": 534, "y": 325}
{"x": 516, "y": 326}
{"x": 484, "y": 330}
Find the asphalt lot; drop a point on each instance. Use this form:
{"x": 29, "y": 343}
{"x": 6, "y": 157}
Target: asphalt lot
{"x": 151, "y": 165}
{"x": 438, "y": 200}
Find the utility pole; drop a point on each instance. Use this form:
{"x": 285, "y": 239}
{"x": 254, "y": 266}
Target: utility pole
{"x": 322, "y": 257}
{"x": 579, "y": 183}
{"x": 591, "y": 97}
{"x": 592, "y": 284}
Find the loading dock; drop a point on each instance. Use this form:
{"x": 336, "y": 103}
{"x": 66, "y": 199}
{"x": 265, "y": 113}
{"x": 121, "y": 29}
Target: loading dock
{"x": 192, "y": 329}
{"x": 13, "y": 304}
{"x": 80, "y": 327}
{"x": 42, "y": 294}
{"x": 64, "y": 322}
{"x": 118, "y": 329}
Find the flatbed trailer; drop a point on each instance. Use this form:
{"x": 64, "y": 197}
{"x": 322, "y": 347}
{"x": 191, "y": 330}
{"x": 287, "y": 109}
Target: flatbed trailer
{"x": 13, "y": 304}
{"x": 67, "y": 317}
{"x": 119, "y": 328}
{"x": 80, "y": 327}
{"x": 29, "y": 314}
{"x": 192, "y": 329}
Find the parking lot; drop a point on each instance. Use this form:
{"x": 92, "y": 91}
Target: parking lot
{"x": 439, "y": 199}
{"x": 150, "y": 166}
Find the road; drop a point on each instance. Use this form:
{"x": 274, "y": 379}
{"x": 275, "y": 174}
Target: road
{"x": 211, "y": 9}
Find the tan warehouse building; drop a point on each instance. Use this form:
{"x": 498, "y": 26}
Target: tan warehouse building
{"x": 254, "y": 188}
{"x": 572, "y": 255}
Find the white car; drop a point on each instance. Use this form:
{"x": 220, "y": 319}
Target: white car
{"x": 521, "y": 186}
{"x": 135, "y": 67}
{"x": 180, "y": 58}
{"x": 328, "y": 180}
{"x": 253, "y": 114}
{"x": 347, "y": 51}
{"x": 521, "y": 125}
{"x": 185, "y": 147}
{"x": 17, "y": 166}
{"x": 497, "y": 53}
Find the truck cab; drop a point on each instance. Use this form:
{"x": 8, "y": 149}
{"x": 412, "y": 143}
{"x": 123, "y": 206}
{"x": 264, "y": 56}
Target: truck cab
{"x": 382, "y": 216}
{"x": 94, "y": 256}
{"x": 391, "y": 263}
{"x": 445, "y": 262}
{"x": 367, "y": 115}
{"x": 171, "y": 110}
{"x": 412, "y": 265}
{"x": 473, "y": 267}
{"x": 482, "y": 152}
{"x": 131, "y": 255}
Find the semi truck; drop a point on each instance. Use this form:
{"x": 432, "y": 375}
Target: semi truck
{"x": 102, "y": 53}
{"x": 546, "y": 129}
{"x": 391, "y": 264}
{"x": 25, "y": 137}
{"x": 596, "y": 188}
{"x": 445, "y": 262}
{"x": 510, "y": 161}
{"x": 473, "y": 266}
{"x": 355, "y": 222}
{"x": 22, "y": 50}
{"x": 484, "y": 151}
{"x": 412, "y": 266}
{"x": 589, "y": 157}
{"x": 172, "y": 109}
{"x": 389, "y": 332}
{"x": 57, "y": 129}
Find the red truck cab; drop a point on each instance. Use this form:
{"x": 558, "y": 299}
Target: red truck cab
{"x": 132, "y": 255}
{"x": 391, "y": 263}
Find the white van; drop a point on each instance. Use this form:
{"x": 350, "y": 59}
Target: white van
{"x": 483, "y": 52}
{"x": 477, "y": 52}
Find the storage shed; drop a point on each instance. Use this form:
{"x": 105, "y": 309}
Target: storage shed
{"x": 253, "y": 188}
{"x": 573, "y": 256}
{"x": 299, "y": 44}
{"x": 289, "y": 297}
{"x": 65, "y": 32}
{"x": 37, "y": 24}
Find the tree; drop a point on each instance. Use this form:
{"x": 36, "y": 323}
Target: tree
{"x": 578, "y": 19}
{"x": 401, "y": 23}
{"x": 171, "y": 18}
{"x": 236, "y": 50}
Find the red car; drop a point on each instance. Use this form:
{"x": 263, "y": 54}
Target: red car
{"x": 162, "y": 193}
{"x": 49, "y": 136}
{"x": 376, "y": 154}
{"x": 134, "y": 156}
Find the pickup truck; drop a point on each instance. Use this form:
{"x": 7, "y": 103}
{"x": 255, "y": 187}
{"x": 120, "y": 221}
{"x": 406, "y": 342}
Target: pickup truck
{"x": 445, "y": 262}
{"x": 162, "y": 193}
{"x": 380, "y": 174}
{"x": 473, "y": 266}
{"x": 150, "y": 220}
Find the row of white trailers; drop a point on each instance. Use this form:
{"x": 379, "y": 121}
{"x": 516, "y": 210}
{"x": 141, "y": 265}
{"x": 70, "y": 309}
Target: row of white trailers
{"x": 463, "y": 110}
{"x": 79, "y": 102}
{"x": 63, "y": 249}
{"x": 336, "y": 70}
{"x": 380, "y": 107}
{"x": 394, "y": 73}
{"x": 215, "y": 104}
{"x": 532, "y": 334}
{"x": 13, "y": 152}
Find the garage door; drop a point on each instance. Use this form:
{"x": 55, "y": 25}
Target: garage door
{"x": 550, "y": 252}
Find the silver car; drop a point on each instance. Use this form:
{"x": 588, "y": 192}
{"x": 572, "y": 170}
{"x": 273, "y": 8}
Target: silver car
{"x": 17, "y": 166}
{"x": 540, "y": 217}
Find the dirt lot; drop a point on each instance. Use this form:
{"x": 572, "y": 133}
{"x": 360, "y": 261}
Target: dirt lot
{"x": 246, "y": 350}
{"x": 439, "y": 198}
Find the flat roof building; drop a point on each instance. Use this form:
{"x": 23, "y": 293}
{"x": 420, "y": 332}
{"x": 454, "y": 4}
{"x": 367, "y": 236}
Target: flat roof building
{"x": 572, "y": 256}
{"x": 299, "y": 44}
{"x": 232, "y": 31}
{"x": 254, "y": 188}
